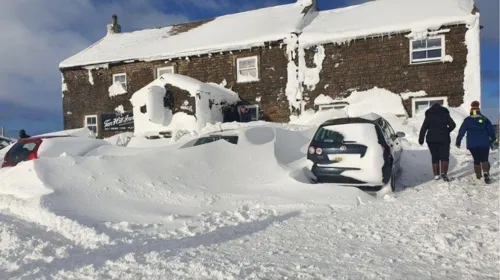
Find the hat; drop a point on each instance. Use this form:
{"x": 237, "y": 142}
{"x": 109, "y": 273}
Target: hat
{"x": 474, "y": 105}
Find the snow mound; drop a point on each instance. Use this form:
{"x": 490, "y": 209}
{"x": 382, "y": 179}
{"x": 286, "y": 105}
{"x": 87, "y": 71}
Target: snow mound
{"x": 152, "y": 185}
{"x": 375, "y": 100}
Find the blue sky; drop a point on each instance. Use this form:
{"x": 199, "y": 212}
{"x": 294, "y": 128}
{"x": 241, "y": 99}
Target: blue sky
{"x": 37, "y": 35}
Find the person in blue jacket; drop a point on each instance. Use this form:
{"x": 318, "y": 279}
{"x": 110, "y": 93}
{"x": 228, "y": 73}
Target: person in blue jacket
{"x": 480, "y": 137}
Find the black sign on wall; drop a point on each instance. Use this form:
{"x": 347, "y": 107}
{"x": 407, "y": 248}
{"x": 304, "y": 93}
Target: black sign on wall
{"x": 117, "y": 122}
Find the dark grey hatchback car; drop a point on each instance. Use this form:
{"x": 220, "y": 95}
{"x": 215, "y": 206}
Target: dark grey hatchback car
{"x": 363, "y": 152}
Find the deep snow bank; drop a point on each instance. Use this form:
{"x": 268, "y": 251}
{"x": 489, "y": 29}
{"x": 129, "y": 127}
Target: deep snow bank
{"x": 152, "y": 186}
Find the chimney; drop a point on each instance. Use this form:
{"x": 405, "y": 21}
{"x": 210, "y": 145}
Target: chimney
{"x": 114, "y": 27}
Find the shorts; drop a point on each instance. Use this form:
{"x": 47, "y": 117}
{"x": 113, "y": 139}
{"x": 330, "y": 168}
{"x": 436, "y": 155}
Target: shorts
{"x": 439, "y": 151}
{"x": 480, "y": 154}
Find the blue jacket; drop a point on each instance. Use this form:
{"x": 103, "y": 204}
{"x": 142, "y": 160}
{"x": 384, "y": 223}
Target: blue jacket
{"x": 480, "y": 132}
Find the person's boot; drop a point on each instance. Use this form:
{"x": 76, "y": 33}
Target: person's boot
{"x": 486, "y": 171}
{"x": 435, "y": 169}
{"x": 478, "y": 170}
{"x": 444, "y": 171}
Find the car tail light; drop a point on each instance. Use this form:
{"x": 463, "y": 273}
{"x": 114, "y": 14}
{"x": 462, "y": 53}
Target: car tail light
{"x": 317, "y": 150}
{"x": 32, "y": 156}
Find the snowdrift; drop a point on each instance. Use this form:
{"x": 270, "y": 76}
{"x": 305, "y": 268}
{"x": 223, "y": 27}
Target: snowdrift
{"x": 147, "y": 186}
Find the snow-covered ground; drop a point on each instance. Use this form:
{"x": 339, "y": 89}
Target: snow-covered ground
{"x": 245, "y": 211}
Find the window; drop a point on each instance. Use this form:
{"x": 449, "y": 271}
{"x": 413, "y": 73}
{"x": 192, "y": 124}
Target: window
{"x": 91, "y": 123}
{"x": 253, "y": 111}
{"x": 420, "y": 105}
{"x": 336, "y": 106}
{"x": 164, "y": 70}
{"x": 120, "y": 78}
{"x": 247, "y": 69}
{"x": 427, "y": 50}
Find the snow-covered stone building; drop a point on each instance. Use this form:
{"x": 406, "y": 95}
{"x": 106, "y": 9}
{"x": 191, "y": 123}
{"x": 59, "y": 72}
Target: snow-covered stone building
{"x": 285, "y": 59}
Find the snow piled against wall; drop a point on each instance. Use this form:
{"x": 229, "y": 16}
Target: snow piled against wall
{"x": 323, "y": 99}
{"x": 310, "y": 76}
{"x": 120, "y": 109}
{"x": 408, "y": 95}
{"x": 375, "y": 100}
{"x": 64, "y": 86}
{"x": 472, "y": 72}
{"x": 116, "y": 89}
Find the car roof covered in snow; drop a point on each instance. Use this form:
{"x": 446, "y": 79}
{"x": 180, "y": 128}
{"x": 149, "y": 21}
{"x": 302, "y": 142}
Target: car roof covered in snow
{"x": 369, "y": 118}
{"x": 224, "y": 33}
{"x": 385, "y": 17}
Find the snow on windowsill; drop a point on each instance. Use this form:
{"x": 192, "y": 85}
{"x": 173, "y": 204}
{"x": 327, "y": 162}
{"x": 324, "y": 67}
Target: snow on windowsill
{"x": 323, "y": 100}
{"x": 245, "y": 79}
{"x": 408, "y": 95}
{"x": 447, "y": 58}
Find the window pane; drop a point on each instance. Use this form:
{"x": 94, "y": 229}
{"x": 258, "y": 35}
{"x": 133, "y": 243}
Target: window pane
{"x": 436, "y": 101}
{"x": 434, "y": 54}
{"x": 120, "y": 78}
{"x": 165, "y": 71}
{"x": 419, "y": 55}
{"x": 246, "y": 63}
{"x": 249, "y": 73}
{"x": 431, "y": 43}
{"x": 420, "y": 44}
{"x": 421, "y": 106}
{"x": 254, "y": 113}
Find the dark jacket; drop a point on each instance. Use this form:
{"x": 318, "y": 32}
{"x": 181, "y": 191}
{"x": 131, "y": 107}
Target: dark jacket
{"x": 245, "y": 117}
{"x": 437, "y": 125}
{"x": 480, "y": 132}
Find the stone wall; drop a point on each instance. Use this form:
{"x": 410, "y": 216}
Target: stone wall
{"x": 359, "y": 65}
{"x": 83, "y": 98}
{"x": 385, "y": 63}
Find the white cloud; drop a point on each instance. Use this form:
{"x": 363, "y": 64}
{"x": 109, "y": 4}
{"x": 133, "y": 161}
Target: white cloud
{"x": 37, "y": 35}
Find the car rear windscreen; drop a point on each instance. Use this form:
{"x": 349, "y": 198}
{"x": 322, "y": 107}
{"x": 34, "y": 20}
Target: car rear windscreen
{"x": 345, "y": 133}
{"x": 19, "y": 152}
{"x": 210, "y": 139}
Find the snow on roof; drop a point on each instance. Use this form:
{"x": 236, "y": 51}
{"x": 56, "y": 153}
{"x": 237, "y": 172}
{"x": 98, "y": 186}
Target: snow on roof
{"x": 383, "y": 17}
{"x": 229, "y": 32}
{"x": 189, "y": 84}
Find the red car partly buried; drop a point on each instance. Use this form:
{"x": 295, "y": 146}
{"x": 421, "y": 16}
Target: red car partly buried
{"x": 24, "y": 150}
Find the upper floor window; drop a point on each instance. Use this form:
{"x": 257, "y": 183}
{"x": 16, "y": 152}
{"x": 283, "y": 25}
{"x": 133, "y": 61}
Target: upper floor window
{"x": 427, "y": 50}
{"x": 164, "y": 70}
{"x": 247, "y": 69}
{"x": 121, "y": 79}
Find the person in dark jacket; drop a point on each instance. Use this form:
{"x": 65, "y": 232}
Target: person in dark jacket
{"x": 436, "y": 130}
{"x": 22, "y": 134}
{"x": 480, "y": 137}
{"x": 245, "y": 115}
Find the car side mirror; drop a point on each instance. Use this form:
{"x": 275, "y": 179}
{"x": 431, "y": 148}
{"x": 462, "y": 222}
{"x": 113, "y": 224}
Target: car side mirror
{"x": 400, "y": 134}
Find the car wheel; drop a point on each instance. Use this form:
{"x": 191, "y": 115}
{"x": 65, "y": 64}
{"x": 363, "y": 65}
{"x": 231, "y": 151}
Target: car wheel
{"x": 388, "y": 188}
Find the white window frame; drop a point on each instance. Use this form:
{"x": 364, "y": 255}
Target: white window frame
{"x": 96, "y": 125}
{"x": 123, "y": 84}
{"x": 420, "y": 99}
{"x": 256, "y": 69}
{"x": 248, "y": 107}
{"x": 164, "y": 68}
{"x": 429, "y": 60}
